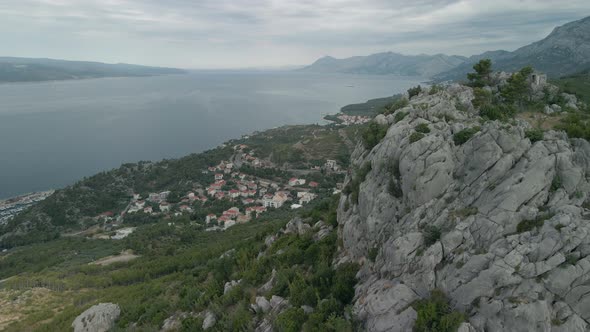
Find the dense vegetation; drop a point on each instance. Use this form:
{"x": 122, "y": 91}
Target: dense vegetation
{"x": 578, "y": 84}
{"x": 182, "y": 268}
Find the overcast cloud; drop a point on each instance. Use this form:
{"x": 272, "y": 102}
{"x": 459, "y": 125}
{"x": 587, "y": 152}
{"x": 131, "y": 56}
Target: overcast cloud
{"x": 247, "y": 33}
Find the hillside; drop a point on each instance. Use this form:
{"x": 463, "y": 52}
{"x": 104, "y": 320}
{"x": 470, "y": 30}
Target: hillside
{"x": 565, "y": 51}
{"x": 31, "y": 70}
{"x": 454, "y": 209}
{"x": 577, "y": 84}
{"x": 388, "y": 63}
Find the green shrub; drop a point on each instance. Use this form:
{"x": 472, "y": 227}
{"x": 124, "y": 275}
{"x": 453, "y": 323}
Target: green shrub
{"x": 576, "y": 125}
{"x": 500, "y": 112}
{"x": 373, "y": 252}
{"x": 353, "y": 187}
{"x": 431, "y": 235}
{"x": 414, "y": 91}
{"x": 373, "y": 134}
{"x": 481, "y": 98}
{"x": 435, "y": 314}
{"x": 395, "y": 189}
{"x": 416, "y": 137}
{"x": 343, "y": 282}
{"x": 399, "y": 116}
{"x": 534, "y": 135}
{"x": 435, "y": 89}
{"x": 571, "y": 259}
{"x": 465, "y": 135}
{"x": 398, "y": 104}
{"x": 301, "y": 293}
{"x": 422, "y": 128}
{"x": 555, "y": 184}
{"x": 290, "y": 320}
{"x": 528, "y": 225}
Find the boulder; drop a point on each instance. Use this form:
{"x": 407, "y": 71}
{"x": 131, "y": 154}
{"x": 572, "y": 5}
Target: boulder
{"x": 230, "y": 285}
{"x": 209, "y": 320}
{"x": 98, "y": 318}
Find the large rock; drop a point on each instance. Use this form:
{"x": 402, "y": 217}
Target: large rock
{"x": 475, "y": 194}
{"x": 98, "y": 318}
{"x": 209, "y": 320}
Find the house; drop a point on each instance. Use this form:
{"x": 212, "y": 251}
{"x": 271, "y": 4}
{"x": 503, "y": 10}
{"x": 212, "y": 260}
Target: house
{"x": 164, "y": 195}
{"x": 306, "y": 198}
{"x": 148, "y": 209}
{"x": 136, "y": 197}
{"x": 248, "y": 201}
{"x": 234, "y": 193}
{"x": 251, "y": 193}
{"x": 233, "y": 212}
{"x": 313, "y": 184}
{"x": 140, "y": 204}
{"x": 153, "y": 197}
{"x": 296, "y": 182}
{"x": 185, "y": 208}
{"x": 191, "y": 196}
{"x": 164, "y": 207}
{"x": 296, "y": 206}
{"x": 331, "y": 164}
{"x": 220, "y": 195}
{"x": 276, "y": 201}
{"x": 218, "y": 176}
{"x": 210, "y": 217}
{"x": 211, "y": 191}
{"x": 229, "y": 224}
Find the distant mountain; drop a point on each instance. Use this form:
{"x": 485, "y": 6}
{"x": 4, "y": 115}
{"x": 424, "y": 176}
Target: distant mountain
{"x": 565, "y": 51}
{"x": 388, "y": 63}
{"x": 30, "y": 70}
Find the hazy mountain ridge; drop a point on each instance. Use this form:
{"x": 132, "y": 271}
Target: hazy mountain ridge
{"x": 565, "y": 51}
{"x": 14, "y": 69}
{"x": 387, "y": 63}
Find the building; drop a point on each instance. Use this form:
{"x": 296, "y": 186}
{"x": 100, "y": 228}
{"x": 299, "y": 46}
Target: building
{"x": 164, "y": 195}
{"x": 296, "y": 182}
{"x": 276, "y": 201}
{"x": 164, "y": 207}
{"x": 296, "y": 206}
{"x": 218, "y": 176}
{"x": 313, "y": 184}
{"x": 210, "y": 217}
{"x": 148, "y": 210}
{"x": 234, "y": 193}
{"x": 306, "y": 198}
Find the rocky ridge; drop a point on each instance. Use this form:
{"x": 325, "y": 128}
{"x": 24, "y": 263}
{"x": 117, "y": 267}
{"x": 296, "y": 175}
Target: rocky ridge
{"x": 498, "y": 223}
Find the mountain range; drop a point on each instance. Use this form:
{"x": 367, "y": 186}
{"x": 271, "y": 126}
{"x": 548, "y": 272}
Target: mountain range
{"x": 13, "y": 69}
{"x": 565, "y": 51}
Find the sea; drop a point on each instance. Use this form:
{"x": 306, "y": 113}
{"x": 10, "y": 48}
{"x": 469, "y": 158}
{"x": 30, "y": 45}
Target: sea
{"x": 54, "y": 133}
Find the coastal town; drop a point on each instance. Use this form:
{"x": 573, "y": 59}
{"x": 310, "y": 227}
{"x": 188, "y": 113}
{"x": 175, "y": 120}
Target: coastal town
{"x": 13, "y": 206}
{"x": 247, "y": 196}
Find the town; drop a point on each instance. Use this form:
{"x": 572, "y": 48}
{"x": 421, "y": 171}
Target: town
{"x": 247, "y": 196}
{"x": 12, "y": 206}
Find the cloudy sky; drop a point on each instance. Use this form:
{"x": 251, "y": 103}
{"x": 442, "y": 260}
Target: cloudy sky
{"x": 252, "y": 33}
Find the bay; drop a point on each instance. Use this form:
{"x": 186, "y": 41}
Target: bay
{"x": 54, "y": 133}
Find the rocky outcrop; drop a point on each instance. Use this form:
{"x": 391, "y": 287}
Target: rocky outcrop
{"x": 495, "y": 221}
{"x": 98, "y": 318}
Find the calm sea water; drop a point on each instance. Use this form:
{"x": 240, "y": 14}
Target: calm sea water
{"x": 54, "y": 133}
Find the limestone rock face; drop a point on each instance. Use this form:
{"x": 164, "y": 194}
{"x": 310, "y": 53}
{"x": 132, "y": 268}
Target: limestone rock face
{"x": 514, "y": 245}
{"x": 98, "y": 318}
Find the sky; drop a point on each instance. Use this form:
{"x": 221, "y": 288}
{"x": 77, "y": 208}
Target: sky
{"x": 269, "y": 33}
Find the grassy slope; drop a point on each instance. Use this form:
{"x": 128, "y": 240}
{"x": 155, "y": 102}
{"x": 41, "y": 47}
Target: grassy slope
{"x": 576, "y": 84}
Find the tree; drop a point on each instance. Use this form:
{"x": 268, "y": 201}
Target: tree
{"x": 517, "y": 89}
{"x": 481, "y": 77}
